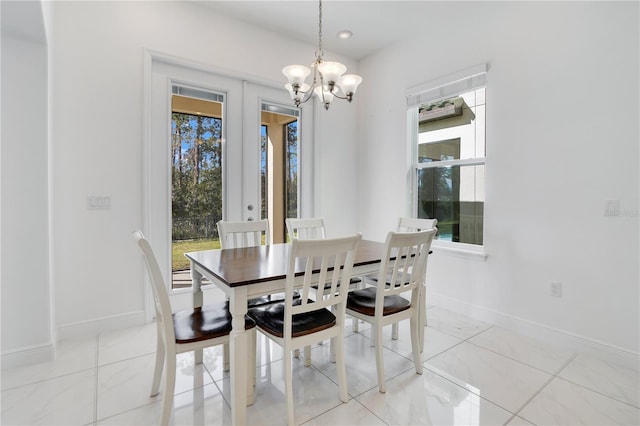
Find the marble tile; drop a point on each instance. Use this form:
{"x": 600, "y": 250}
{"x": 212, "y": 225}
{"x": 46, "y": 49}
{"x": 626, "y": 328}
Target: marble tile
{"x": 63, "y": 400}
{"x": 72, "y": 356}
{"x": 351, "y": 413}
{"x": 435, "y": 341}
{"x": 454, "y": 324}
{"x": 266, "y": 352}
{"x": 429, "y": 399}
{"x": 360, "y": 358}
{"x": 313, "y": 394}
{"x": 501, "y": 380}
{"x": 119, "y": 345}
{"x": 126, "y": 385}
{"x": 565, "y": 403}
{"x": 519, "y": 421}
{"x": 204, "y": 405}
{"x": 611, "y": 377}
{"x": 524, "y": 349}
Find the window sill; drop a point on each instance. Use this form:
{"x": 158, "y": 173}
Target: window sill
{"x": 465, "y": 251}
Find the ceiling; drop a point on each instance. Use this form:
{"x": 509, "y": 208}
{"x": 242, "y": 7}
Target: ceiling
{"x": 375, "y": 24}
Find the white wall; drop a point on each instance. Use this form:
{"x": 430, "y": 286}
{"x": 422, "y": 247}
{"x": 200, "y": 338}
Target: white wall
{"x": 98, "y": 84}
{"x": 562, "y": 136}
{"x": 26, "y": 326}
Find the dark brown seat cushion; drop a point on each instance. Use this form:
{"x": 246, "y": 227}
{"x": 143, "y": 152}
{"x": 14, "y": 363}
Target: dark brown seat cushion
{"x": 364, "y": 302}
{"x": 208, "y": 322}
{"x": 271, "y": 319}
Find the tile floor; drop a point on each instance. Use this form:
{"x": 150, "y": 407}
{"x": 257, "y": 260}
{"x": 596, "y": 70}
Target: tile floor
{"x": 475, "y": 373}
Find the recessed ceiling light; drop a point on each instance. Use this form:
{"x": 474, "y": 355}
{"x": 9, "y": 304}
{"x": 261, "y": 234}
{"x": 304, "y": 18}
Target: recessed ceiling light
{"x": 345, "y": 34}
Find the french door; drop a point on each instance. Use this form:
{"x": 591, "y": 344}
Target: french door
{"x": 228, "y": 133}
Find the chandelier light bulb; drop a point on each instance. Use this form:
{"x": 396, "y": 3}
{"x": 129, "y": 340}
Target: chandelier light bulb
{"x": 297, "y": 95}
{"x": 296, "y": 74}
{"x": 325, "y": 96}
{"x": 331, "y": 71}
{"x": 349, "y": 83}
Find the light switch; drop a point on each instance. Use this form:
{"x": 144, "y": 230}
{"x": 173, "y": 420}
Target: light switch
{"x": 612, "y": 207}
{"x": 99, "y": 202}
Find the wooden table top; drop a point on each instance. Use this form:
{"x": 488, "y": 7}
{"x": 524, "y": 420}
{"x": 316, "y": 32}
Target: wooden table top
{"x": 250, "y": 265}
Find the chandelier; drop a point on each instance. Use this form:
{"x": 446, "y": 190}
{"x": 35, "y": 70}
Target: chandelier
{"x": 328, "y": 79}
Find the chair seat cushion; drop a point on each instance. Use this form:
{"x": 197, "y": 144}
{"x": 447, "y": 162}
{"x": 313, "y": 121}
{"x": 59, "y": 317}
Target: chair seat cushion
{"x": 210, "y": 321}
{"x": 269, "y": 299}
{"x": 271, "y": 319}
{"x": 364, "y": 302}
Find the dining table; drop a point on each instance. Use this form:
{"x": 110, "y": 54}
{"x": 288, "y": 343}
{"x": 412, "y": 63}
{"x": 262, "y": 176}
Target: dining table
{"x": 244, "y": 273}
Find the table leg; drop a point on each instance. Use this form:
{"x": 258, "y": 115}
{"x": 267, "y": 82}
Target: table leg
{"x": 196, "y": 285}
{"x": 241, "y": 389}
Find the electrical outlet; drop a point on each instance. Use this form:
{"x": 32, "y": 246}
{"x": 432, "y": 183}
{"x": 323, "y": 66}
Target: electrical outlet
{"x": 556, "y": 289}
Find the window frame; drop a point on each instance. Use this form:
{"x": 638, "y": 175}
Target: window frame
{"x": 439, "y": 89}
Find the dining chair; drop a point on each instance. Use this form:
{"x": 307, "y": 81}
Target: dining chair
{"x": 305, "y": 228}
{"x": 310, "y": 229}
{"x": 299, "y": 323}
{"x": 411, "y": 224}
{"x": 402, "y": 270}
{"x": 313, "y": 229}
{"x": 186, "y": 331}
{"x": 250, "y": 233}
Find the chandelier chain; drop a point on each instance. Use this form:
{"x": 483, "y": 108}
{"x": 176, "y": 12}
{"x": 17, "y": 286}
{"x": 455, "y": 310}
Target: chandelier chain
{"x": 319, "y": 52}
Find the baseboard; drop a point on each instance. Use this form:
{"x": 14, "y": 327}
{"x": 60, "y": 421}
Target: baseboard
{"x": 28, "y": 355}
{"x": 555, "y": 336}
{"x": 93, "y": 327}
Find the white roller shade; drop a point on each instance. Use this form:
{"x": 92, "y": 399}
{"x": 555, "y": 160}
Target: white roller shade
{"x": 448, "y": 86}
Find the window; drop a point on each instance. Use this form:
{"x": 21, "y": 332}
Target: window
{"x": 448, "y": 155}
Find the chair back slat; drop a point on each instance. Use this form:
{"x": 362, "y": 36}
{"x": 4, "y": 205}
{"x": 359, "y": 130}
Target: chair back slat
{"x": 305, "y": 229}
{"x": 404, "y": 263}
{"x": 159, "y": 288}
{"x": 319, "y": 261}
{"x": 250, "y": 233}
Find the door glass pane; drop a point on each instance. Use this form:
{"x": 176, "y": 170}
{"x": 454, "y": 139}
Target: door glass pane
{"x": 454, "y": 195}
{"x": 279, "y": 166}
{"x": 291, "y": 166}
{"x": 196, "y": 175}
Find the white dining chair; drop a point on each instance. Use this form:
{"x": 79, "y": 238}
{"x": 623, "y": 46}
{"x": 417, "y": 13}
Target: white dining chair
{"x": 402, "y": 270}
{"x": 186, "y": 331}
{"x": 411, "y": 224}
{"x": 305, "y": 228}
{"x": 312, "y": 229}
{"x": 299, "y": 323}
{"x": 250, "y": 233}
